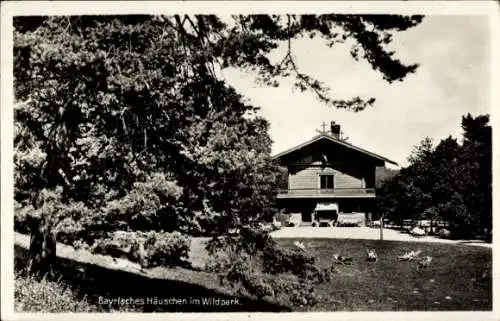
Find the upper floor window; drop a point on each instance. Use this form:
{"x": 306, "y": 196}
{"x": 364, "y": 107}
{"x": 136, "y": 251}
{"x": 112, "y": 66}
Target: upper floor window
{"x": 326, "y": 181}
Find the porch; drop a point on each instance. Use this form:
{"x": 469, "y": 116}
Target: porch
{"x": 301, "y": 211}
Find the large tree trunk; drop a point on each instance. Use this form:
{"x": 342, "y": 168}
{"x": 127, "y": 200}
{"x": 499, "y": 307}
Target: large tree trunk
{"x": 42, "y": 252}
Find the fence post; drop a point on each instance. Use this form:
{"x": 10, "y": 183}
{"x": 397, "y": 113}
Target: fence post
{"x": 382, "y": 227}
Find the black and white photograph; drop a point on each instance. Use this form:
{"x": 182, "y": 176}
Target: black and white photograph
{"x": 217, "y": 157}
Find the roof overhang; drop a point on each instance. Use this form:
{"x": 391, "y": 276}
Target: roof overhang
{"x": 337, "y": 141}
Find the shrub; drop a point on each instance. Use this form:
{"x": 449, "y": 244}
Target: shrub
{"x": 33, "y": 295}
{"x": 276, "y": 260}
{"x": 253, "y": 261}
{"x": 217, "y": 263}
{"x": 303, "y": 296}
{"x": 118, "y": 244}
{"x": 279, "y": 273}
{"x": 444, "y": 233}
{"x": 81, "y": 245}
{"x": 242, "y": 272}
{"x": 150, "y": 249}
{"x": 166, "y": 249}
{"x": 240, "y": 269}
{"x": 298, "y": 292}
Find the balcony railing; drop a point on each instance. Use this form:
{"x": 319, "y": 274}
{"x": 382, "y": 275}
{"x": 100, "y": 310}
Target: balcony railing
{"x": 320, "y": 192}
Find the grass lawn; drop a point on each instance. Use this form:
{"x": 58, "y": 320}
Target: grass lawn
{"x": 458, "y": 279}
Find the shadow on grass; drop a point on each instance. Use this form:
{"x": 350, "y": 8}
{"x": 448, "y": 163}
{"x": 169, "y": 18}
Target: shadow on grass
{"x": 98, "y": 283}
{"x": 478, "y": 241}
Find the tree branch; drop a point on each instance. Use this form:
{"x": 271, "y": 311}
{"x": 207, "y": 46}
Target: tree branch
{"x": 193, "y": 25}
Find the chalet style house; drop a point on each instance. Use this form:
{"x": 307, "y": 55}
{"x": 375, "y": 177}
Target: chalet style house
{"x": 328, "y": 175}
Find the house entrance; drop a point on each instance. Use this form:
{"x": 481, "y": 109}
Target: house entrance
{"x": 325, "y": 214}
{"x": 306, "y": 216}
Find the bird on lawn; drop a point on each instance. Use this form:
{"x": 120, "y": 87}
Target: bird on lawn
{"x": 424, "y": 263}
{"x": 372, "y": 255}
{"x": 409, "y": 256}
{"x": 300, "y": 245}
{"x": 342, "y": 259}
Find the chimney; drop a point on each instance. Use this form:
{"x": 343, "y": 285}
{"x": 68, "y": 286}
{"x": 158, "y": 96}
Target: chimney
{"x": 335, "y": 130}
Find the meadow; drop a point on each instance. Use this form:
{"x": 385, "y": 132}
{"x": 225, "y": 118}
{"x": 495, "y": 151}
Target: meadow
{"x": 459, "y": 278}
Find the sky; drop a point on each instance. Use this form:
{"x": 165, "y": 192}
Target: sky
{"x": 453, "y": 79}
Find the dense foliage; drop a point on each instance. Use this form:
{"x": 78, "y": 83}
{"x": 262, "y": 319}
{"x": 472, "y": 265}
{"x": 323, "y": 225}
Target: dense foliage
{"x": 451, "y": 182}
{"x": 123, "y": 123}
{"x": 253, "y": 265}
{"x": 149, "y": 249}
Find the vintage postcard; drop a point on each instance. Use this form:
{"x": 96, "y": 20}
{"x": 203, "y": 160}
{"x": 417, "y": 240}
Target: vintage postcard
{"x": 235, "y": 160}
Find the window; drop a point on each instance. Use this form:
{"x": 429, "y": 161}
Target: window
{"x": 326, "y": 181}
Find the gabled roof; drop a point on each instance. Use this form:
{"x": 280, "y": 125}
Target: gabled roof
{"x": 337, "y": 141}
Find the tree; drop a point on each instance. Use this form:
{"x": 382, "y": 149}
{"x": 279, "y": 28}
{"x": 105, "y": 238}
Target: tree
{"x": 383, "y": 174}
{"x": 407, "y": 194}
{"x": 118, "y": 112}
{"x": 421, "y": 152}
{"x": 451, "y": 182}
{"x": 447, "y": 188}
{"x": 477, "y": 153}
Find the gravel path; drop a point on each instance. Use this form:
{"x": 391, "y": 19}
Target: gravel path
{"x": 364, "y": 233}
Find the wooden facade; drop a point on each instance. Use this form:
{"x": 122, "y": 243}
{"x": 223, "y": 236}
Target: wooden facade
{"x": 327, "y": 169}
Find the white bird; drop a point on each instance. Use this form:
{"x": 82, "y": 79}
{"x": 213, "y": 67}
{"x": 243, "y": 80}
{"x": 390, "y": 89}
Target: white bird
{"x": 408, "y": 256}
{"x": 424, "y": 263}
{"x": 300, "y": 245}
{"x": 372, "y": 255}
{"x": 342, "y": 259}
